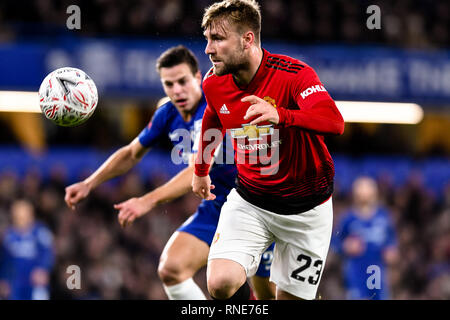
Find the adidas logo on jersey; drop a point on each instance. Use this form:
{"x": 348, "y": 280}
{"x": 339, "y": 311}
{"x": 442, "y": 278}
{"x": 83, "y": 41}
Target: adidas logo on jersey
{"x": 224, "y": 109}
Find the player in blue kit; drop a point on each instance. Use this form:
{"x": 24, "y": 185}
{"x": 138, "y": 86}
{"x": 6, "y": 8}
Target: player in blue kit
{"x": 179, "y": 119}
{"x": 26, "y": 256}
{"x": 365, "y": 238}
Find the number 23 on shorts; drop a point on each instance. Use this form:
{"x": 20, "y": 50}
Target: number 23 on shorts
{"x": 306, "y": 262}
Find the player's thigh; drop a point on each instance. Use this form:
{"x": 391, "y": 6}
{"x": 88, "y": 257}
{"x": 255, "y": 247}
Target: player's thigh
{"x": 241, "y": 235}
{"x": 302, "y": 243}
{"x": 184, "y": 253}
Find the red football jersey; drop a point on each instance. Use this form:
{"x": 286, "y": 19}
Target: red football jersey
{"x": 284, "y": 168}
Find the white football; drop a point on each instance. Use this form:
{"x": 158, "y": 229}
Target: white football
{"x": 68, "y": 96}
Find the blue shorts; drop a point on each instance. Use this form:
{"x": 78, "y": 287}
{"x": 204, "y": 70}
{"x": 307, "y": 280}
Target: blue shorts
{"x": 203, "y": 223}
{"x": 266, "y": 262}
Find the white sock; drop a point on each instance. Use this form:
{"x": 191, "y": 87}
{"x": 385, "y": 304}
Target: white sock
{"x": 186, "y": 290}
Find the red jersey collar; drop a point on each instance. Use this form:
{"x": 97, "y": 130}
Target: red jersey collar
{"x": 258, "y": 75}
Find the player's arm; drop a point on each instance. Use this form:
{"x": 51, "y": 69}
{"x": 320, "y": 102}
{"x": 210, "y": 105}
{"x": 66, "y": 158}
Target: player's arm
{"x": 317, "y": 112}
{"x": 176, "y": 187}
{"x": 117, "y": 164}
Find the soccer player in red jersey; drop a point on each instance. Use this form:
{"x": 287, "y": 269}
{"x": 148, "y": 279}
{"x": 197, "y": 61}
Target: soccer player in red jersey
{"x": 277, "y": 112}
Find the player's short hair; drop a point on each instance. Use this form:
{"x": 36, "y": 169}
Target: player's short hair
{"x": 244, "y": 14}
{"x": 175, "y": 56}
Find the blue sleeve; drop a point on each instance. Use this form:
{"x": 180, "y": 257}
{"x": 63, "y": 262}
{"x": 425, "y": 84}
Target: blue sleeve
{"x": 45, "y": 244}
{"x": 155, "y": 130}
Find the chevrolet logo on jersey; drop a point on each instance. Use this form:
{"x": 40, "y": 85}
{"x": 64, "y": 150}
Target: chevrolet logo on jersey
{"x": 252, "y": 132}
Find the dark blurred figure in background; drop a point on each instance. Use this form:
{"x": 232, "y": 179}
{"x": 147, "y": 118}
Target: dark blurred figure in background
{"x": 407, "y": 23}
{"x": 365, "y": 238}
{"x": 26, "y": 256}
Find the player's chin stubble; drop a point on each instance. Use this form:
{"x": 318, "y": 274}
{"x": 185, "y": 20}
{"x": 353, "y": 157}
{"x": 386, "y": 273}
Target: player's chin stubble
{"x": 232, "y": 67}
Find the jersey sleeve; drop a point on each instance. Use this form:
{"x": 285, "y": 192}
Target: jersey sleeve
{"x": 154, "y": 131}
{"x": 211, "y": 126}
{"x": 317, "y": 110}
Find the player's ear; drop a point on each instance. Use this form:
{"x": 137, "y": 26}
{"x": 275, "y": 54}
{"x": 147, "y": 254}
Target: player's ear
{"x": 198, "y": 77}
{"x": 248, "y": 39}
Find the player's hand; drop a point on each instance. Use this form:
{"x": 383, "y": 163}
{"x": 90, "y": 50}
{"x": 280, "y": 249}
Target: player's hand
{"x": 354, "y": 246}
{"x": 261, "y": 108}
{"x": 75, "y": 193}
{"x": 5, "y": 290}
{"x": 202, "y": 187}
{"x": 132, "y": 209}
{"x": 40, "y": 277}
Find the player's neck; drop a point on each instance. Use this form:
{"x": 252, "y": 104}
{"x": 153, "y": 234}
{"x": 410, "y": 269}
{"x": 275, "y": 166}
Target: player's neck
{"x": 187, "y": 115}
{"x": 244, "y": 76}
{"x": 366, "y": 211}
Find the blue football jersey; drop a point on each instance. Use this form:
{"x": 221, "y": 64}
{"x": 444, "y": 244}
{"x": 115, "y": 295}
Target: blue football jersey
{"x": 168, "y": 123}
{"x": 377, "y": 233}
{"x": 20, "y": 254}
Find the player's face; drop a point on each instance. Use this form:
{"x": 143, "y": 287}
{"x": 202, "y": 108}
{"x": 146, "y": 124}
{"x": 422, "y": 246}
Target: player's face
{"x": 181, "y": 86}
{"x": 22, "y": 215}
{"x": 225, "y": 48}
{"x": 365, "y": 191}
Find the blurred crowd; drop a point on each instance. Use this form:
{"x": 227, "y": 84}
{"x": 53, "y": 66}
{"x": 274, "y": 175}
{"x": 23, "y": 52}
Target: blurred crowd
{"x": 408, "y": 23}
{"x": 120, "y": 263}
{"x": 114, "y": 263}
{"x": 422, "y": 230}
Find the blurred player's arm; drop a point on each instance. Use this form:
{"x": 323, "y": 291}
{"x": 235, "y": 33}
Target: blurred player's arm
{"x": 318, "y": 112}
{"x": 176, "y": 187}
{"x": 117, "y": 164}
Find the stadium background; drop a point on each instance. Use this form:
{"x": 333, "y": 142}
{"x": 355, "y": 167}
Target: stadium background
{"x": 407, "y": 60}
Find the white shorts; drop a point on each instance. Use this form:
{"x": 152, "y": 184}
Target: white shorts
{"x": 301, "y": 240}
